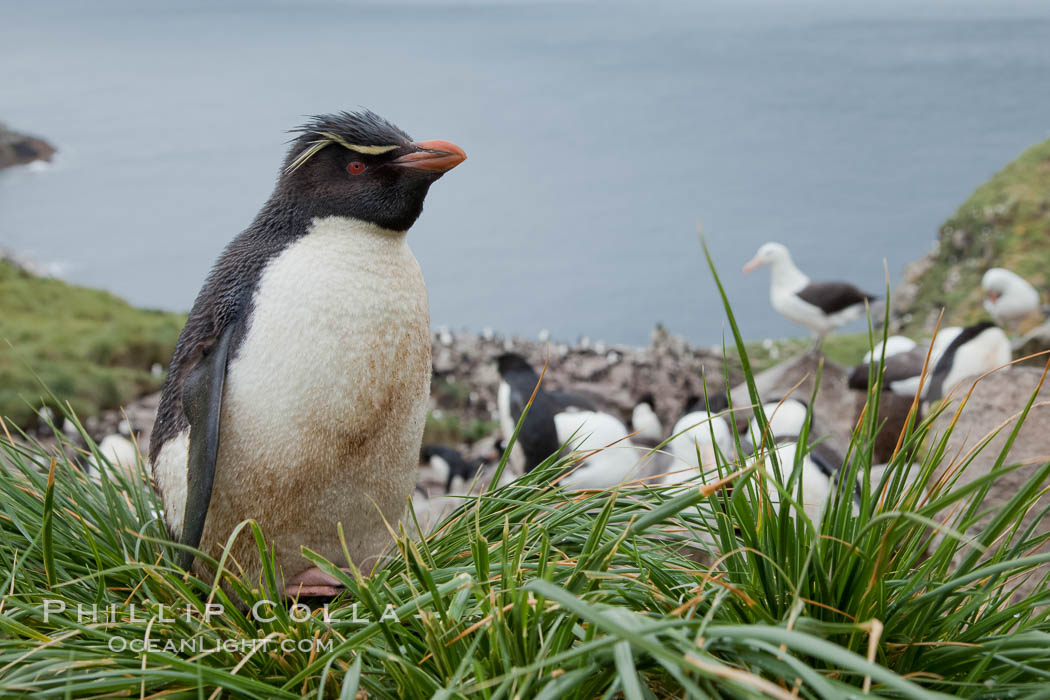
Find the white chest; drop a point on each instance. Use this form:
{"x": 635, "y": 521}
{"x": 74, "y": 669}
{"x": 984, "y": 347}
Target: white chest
{"x": 339, "y": 335}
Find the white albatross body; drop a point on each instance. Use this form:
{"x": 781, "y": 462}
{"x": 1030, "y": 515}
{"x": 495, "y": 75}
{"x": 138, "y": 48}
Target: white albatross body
{"x": 895, "y": 345}
{"x": 794, "y": 296}
{"x": 1009, "y": 298}
{"x": 646, "y": 423}
{"x": 692, "y": 446}
{"x": 583, "y": 431}
{"x": 785, "y": 419}
{"x": 976, "y": 350}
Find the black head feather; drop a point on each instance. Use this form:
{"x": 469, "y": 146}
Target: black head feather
{"x": 694, "y": 403}
{"x": 364, "y": 128}
{"x": 511, "y": 362}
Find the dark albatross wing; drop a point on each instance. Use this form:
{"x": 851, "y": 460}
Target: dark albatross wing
{"x": 903, "y": 365}
{"x": 202, "y": 404}
{"x": 832, "y": 297}
{"x": 944, "y": 364}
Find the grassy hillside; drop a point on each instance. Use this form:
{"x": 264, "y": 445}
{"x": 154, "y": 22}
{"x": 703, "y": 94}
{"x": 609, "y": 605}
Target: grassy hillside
{"x": 1005, "y": 223}
{"x": 89, "y": 347}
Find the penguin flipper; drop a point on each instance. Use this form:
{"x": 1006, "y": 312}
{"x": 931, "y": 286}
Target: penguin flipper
{"x": 202, "y": 404}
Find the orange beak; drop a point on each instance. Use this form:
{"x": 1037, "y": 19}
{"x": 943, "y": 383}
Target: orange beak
{"x": 751, "y": 265}
{"x": 993, "y": 296}
{"x": 433, "y": 156}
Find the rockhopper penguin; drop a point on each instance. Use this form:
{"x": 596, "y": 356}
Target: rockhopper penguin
{"x": 298, "y": 388}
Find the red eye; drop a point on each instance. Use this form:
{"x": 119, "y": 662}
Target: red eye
{"x": 356, "y": 167}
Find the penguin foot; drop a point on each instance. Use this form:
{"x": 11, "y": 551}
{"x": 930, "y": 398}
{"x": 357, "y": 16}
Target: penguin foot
{"x": 312, "y": 583}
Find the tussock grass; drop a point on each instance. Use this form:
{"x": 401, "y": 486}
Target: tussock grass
{"x": 533, "y": 591}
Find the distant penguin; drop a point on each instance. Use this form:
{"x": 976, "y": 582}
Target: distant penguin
{"x": 978, "y": 349}
{"x": 553, "y": 418}
{"x": 696, "y": 435}
{"x": 1010, "y": 298}
{"x": 900, "y": 375}
{"x": 448, "y": 466}
{"x": 309, "y": 347}
{"x": 538, "y": 438}
{"x": 644, "y": 421}
{"x": 819, "y": 306}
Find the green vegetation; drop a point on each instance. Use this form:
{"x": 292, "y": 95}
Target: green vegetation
{"x": 532, "y": 591}
{"x": 846, "y": 349}
{"x": 1005, "y": 223}
{"x": 450, "y": 429}
{"x": 87, "y": 346}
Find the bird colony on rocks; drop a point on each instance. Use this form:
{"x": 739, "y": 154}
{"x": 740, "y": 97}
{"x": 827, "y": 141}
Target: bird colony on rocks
{"x": 300, "y": 387}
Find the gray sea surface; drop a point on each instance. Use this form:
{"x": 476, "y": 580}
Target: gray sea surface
{"x": 599, "y": 135}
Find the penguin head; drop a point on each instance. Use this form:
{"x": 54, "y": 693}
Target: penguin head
{"x": 512, "y": 362}
{"x": 358, "y": 165}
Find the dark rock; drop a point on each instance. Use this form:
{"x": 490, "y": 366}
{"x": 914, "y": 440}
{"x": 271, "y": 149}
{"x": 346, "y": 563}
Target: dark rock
{"x": 893, "y": 414}
{"x": 1033, "y": 342}
{"x": 20, "y": 149}
{"x": 996, "y": 400}
{"x": 465, "y": 378}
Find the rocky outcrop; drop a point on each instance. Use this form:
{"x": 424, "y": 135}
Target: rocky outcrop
{"x": 996, "y": 402}
{"x": 20, "y": 149}
{"x": 23, "y": 263}
{"x": 1033, "y": 342}
{"x": 615, "y": 376}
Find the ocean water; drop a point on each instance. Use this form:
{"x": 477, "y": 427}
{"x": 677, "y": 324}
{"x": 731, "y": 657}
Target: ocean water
{"x": 599, "y": 135}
